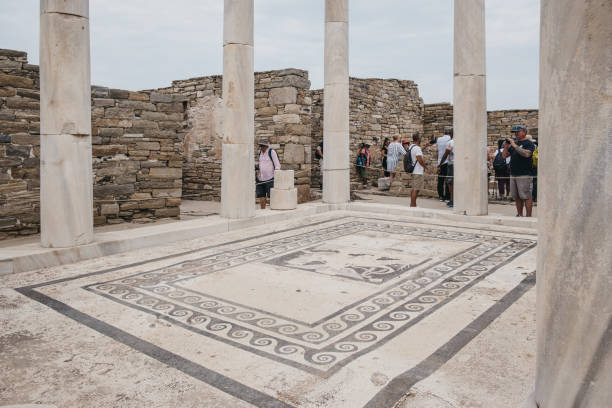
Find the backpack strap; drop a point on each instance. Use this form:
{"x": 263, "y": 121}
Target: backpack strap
{"x": 270, "y": 150}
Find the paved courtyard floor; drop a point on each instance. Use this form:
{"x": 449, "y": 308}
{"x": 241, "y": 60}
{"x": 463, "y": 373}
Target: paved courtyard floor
{"x": 342, "y": 309}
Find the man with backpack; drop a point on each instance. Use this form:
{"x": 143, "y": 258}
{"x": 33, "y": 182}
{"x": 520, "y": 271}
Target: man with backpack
{"x": 521, "y": 169}
{"x": 268, "y": 163}
{"x": 413, "y": 163}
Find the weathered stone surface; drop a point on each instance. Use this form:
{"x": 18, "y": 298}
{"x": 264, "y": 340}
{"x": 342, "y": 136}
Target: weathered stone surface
{"x": 283, "y": 96}
{"x": 283, "y": 199}
{"x": 15, "y": 81}
{"x": 294, "y": 154}
{"x": 165, "y": 173}
{"x": 107, "y": 209}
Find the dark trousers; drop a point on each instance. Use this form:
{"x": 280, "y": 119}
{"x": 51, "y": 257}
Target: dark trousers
{"x": 443, "y": 191}
{"x": 503, "y": 182}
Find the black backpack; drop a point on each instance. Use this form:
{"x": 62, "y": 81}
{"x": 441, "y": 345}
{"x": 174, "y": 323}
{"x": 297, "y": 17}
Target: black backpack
{"x": 499, "y": 163}
{"x": 408, "y": 164}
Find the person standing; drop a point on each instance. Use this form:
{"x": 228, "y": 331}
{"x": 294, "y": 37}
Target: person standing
{"x": 521, "y": 169}
{"x": 501, "y": 169}
{"x": 441, "y": 142}
{"x": 383, "y": 152}
{"x": 363, "y": 162}
{"x": 268, "y": 163}
{"x": 449, "y": 156}
{"x": 418, "y": 179}
{"x": 394, "y": 151}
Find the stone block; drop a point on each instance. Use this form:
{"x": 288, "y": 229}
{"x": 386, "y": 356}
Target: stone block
{"x": 293, "y": 154}
{"x": 152, "y": 204}
{"x": 283, "y": 199}
{"x": 160, "y": 97}
{"x": 15, "y": 81}
{"x": 283, "y": 179}
{"x": 109, "y": 209}
{"x": 108, "y": 150}
{"x": 283, "y": 96}
{"x": 166, "y": 173}
{"x": 287, "y": 118}
{"x": 303, "y": 193}
{"x": 168, "y": 212}
{"x": 138, "y": 96}
{"x": 119, "y": 94}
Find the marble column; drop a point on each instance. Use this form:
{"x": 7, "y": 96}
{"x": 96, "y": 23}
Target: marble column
{"x": 470, "y": 109}
{"x": 237, "y": 171}
{"x": 336, "y": 179}
{"x": 66, "y": 195}
{"x": 574, "y": 265}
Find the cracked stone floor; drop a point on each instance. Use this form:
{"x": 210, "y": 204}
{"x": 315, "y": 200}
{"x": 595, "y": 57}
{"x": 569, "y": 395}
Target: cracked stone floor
{"x": 341, "y": 309}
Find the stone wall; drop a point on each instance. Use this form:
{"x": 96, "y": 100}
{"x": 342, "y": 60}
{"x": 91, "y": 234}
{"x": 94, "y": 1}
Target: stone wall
{"x": 19, "y": 145}
{"x": 137, "y": 140}
{"x": 379, "y": 109}
{"x": 137, "y": 147}
{"x": 282, "y": 117}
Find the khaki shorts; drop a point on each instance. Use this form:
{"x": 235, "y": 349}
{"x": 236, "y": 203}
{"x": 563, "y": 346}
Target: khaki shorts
{"x": 418, "y": 182}
{"x": 521, "y": 187}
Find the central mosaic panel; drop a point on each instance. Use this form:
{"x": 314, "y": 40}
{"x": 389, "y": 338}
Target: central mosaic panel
{"x": 317, "y": 300}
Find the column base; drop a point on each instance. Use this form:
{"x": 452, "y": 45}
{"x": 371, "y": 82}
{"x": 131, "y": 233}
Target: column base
{"x": 336, "y": 186}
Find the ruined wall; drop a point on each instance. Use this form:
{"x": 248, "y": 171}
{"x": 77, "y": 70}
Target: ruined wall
{"x": 136, "y": 149}
{"x": 282, "y": 116}
{"x": 379, "y": 109}
{"x": 19, "y": 145}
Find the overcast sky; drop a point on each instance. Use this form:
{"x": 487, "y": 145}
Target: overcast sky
{"x": 143, "y": 44}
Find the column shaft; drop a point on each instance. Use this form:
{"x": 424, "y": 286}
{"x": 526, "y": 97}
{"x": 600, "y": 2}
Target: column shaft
{"x": 238, "y": 173}
{"x": 470, "y": 109}
{"x": 66, "y": 191}
{"x": 574, "y": 306}
{"x": 336, "y": 174}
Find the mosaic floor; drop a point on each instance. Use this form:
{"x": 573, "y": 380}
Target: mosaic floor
{"x": 327, "y": 313}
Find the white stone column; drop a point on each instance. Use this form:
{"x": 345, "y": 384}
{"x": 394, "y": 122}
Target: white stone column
{"x": 470, "y": 109}
{"x": 238, "y": 163}
{"x": 574, "y": 266}
{"x": 336, "y": 178}
{"x": 66, "y": 191}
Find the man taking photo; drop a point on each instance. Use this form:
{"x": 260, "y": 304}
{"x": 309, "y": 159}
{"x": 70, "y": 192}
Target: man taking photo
{"x": 521, "y": 169}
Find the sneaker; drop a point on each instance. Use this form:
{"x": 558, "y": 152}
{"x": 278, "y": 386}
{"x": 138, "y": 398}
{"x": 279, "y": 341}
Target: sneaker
{"x": 449, "y": 204}
{"x": 441, "y": 199}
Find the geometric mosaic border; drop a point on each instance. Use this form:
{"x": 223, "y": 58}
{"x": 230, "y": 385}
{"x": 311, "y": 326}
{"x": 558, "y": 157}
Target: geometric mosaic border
{"x": 323, "y": 347}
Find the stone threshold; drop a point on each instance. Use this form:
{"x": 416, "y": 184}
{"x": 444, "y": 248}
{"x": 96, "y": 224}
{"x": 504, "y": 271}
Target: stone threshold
{"x": 29, "y": 257}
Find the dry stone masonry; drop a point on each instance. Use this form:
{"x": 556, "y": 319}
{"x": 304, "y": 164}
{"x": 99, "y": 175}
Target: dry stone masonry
{"x": 137, "y": 151}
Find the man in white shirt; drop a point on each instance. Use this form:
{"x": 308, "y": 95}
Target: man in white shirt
{"x": 441, "y": 142}
{"x": 418, "y": 181}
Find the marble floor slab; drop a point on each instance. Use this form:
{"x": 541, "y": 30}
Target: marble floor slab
{"x": 323, "y": 311}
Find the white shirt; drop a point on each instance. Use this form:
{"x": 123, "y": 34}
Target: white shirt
{"x": 451, "y": 146}
{"x": 442, "y": 142}
{"x": 414, "y": 152}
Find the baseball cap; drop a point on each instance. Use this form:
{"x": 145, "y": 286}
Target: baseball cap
{"x": 405, "y": 141}
{"x": 263, "y": 142}
{"x": 518, "y": 128}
